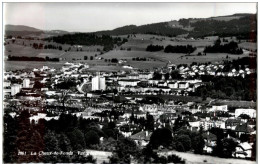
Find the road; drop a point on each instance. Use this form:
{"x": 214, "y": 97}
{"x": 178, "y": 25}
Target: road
{"x": 191, "y": 158}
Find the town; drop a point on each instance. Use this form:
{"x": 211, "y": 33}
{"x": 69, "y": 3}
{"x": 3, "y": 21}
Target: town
{"x": 129, "y": 83}
{"x": 140, "y": 105}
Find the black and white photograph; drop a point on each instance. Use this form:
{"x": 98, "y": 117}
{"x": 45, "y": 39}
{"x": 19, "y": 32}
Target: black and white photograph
{"x": 129, "y": 82}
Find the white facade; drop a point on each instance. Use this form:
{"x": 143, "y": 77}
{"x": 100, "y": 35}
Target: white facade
{"x": 249, "y": 112}
{"x": 26, "y": 83}
{"x": 15, "y": 89}
{"x": 183, "y": 85}
{"x": 128, "y": 82}
{"x": 98, "y": 83}
{"x": 222, "y": 108}
{"x": 173, "y": 85}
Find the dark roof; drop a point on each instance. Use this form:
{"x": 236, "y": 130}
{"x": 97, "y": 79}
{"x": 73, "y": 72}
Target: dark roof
{"x": 244, "y": 128}
{"x": 209, "y": 136}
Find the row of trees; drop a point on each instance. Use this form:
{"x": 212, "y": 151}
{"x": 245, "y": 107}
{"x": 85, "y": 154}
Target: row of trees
{"x": 231, "y": 47}
{"x": 153, "y": 48}
{"x": 26, "y": 58}
{"x": 89, "y": 39}
{"x": 179, "y": 49}
{"x": 171, "y": 49}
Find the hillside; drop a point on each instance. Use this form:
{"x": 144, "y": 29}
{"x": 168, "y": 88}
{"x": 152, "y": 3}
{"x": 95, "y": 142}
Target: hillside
{"x": 241, "y": 25}
{"x": 21, "y": 30}
{"x": 155, "y": 28}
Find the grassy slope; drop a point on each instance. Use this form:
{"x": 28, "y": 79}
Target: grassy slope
{"x": 137, "y": 44}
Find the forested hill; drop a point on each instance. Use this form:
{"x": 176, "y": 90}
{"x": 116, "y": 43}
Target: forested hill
{"x": 245, "y": 27}
{"x": 156, "y": 28}
{"x": 106, "y": 41}
{"x": 241, "y": 25}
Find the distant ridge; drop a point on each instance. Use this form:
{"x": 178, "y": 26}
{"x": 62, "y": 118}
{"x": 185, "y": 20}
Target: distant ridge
{"x": 242, "y": 25}
{"x": 20, "y": 28}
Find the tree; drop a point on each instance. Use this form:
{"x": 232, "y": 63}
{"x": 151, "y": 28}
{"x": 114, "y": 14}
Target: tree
{"x": 244, "y": 116}
{"x": 229, "y": 147}
{"x": 85, "y": 57}
{"x": 91, "y": 138}
{"x": 185, "y": 141}
{"x": 157, "y": 140}
{"x": 198, "y": 142}
{"x": 77, "y": 139}
{"x": 51, "y": 144}
{"x": 91, "y": 57}
{"x": 10, "y": 129}
{"x": 125, "y": 148}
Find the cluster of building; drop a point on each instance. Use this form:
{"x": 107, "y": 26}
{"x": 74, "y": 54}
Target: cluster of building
{"x": 36, "y": 91}
{"x": 213, "y": 70}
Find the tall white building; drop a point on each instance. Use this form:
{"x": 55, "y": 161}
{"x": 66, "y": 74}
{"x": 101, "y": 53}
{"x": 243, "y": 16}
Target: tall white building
{"x": 26, "y": 83}
{"x": 15, "y": 88}
{"x": 98, "y": 83}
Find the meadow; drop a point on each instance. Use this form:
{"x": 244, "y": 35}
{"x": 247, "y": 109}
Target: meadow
{"x": 137, "y": 44}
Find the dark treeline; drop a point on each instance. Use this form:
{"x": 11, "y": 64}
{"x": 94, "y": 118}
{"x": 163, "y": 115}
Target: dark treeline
{"x": 243, "y": 28}
{"x": 233, "y": 88}
{"x": 242, "y": 63}
{"x": 153, "y": 48}
{"x": 25, "y": 58}
{"x": 179, "y": 49}
{"x": 50, "y": 46}
{"x": 231, "y": 47}
{"x": 88, "y": 40}
{"x": 155, "y": 29}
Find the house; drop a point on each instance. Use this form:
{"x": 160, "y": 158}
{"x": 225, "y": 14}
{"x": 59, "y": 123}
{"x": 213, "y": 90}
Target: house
{"x": 243, "y": 150}
{"x": 145, "y": 75}
{"x": 173, "y": 85}
{"x": 210, "y": 141}
{"x": 219, "y": 107}
{"x": 243, "y": 129}
{"x": 142, "y": 138}
{"x": 183, "y": 85}
{"x": 249, "y": 112}
{"x": 232, "y": 123}
{"x": 162, "y": 84}
{"x": 128, "y": 82}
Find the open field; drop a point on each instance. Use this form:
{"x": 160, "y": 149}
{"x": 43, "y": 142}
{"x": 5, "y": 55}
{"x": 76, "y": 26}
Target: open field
{"x": 141, "y": 41}
{"x": 19, "y": 65}
{"x": 28, "y": 43}
{"x": 248, "y": 45}
{"x": 191, "y": 158}
{"x": 137, "y": 44}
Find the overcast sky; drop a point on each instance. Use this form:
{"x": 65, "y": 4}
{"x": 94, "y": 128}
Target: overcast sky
{"x": 89, "y": 17}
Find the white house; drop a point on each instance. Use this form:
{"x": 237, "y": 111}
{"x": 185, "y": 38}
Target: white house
{"x": 243, "y": 150}
{"x": 249, "y": 112}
